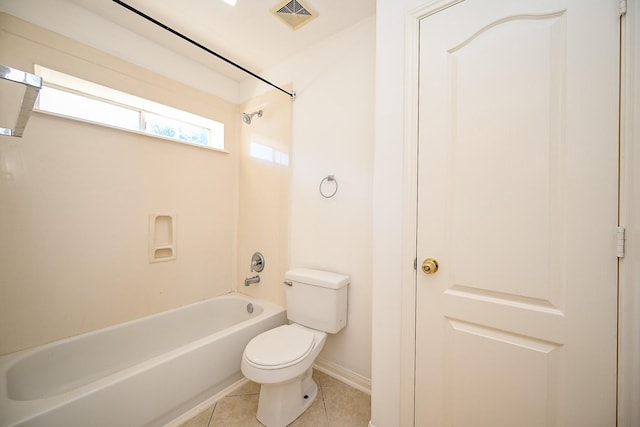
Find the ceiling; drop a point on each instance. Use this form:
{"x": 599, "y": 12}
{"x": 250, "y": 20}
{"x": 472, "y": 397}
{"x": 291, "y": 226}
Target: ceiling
{"x": 247, "y": 33}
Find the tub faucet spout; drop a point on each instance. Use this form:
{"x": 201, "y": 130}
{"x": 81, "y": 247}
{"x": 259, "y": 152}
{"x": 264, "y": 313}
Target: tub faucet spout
{"x": 250, "y": 280}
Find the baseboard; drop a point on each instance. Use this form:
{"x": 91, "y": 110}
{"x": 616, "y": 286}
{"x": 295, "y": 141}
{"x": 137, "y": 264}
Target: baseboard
{"x": 344, "y": 375}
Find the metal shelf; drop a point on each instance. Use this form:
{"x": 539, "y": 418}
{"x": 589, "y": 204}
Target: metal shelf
{"x": 33, "y": 84}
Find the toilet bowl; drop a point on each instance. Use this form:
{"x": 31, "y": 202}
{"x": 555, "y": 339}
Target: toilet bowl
{"x": 280, "y": 360}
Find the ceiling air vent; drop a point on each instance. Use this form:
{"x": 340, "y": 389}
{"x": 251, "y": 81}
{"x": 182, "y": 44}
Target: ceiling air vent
{"x": 294, "y": 13}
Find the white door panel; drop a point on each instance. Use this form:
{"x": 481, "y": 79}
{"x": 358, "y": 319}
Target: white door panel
{"x": 518, "y": 203}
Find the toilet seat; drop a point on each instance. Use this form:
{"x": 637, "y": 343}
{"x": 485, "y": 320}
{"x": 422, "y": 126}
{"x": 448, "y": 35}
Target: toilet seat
{"x": 280, "y": 347}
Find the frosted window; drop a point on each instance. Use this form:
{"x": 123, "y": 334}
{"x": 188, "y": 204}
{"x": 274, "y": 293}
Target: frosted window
{"x": 81, "y": 107}
{"x": 72, "y": 97}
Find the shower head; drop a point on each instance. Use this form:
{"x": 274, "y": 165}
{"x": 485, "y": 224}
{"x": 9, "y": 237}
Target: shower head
{"x": 247, "y": 117}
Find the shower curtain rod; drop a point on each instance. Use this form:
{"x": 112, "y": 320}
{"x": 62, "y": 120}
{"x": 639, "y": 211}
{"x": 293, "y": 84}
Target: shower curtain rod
{"x": 292, "y": 94}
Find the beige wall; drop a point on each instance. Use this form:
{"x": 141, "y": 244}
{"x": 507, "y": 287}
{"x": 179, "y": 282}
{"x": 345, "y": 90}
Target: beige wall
{"x": 75, "y": 200}
{"x": 332, "y": 133}
{"x": 77, "y": 23}
{"x": 263, "y": 218}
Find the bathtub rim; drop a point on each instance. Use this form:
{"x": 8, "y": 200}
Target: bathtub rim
{"x": 23, "y": 410}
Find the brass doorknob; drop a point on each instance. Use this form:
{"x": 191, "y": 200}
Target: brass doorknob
{"x": 429, "y": 266}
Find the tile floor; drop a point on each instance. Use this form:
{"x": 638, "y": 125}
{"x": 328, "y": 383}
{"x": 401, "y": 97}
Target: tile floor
{"x": 337, "y": 405}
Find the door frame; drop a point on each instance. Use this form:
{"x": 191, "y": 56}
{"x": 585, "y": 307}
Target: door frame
{"x": 629, "y": 216}
{"x": 629, "y": 272}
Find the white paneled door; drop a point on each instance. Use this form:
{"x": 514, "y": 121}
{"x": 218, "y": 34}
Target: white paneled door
{"x": 517, "y": 203}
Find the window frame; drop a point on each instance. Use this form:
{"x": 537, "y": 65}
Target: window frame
{"x": 92, "y": 91}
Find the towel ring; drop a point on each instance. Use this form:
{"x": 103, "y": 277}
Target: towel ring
{"x": 326, "y": 179}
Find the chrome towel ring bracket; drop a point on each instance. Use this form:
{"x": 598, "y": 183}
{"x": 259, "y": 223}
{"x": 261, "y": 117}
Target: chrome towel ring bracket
{"x": 326, "y": 182}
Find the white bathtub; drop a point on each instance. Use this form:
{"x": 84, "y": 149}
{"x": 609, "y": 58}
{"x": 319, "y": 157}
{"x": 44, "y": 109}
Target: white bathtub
{"x": 141, "y": 373}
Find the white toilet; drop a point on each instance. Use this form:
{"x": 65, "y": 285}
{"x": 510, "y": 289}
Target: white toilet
{"x": 280, "y": 359}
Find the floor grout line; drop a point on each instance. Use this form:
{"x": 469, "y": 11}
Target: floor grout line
{"x": 211, "y": 416}
{"x": 345, "y": 402}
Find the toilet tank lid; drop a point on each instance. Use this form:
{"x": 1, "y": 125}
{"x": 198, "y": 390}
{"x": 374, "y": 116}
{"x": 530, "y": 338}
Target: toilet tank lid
{"x": 321, "y": 278}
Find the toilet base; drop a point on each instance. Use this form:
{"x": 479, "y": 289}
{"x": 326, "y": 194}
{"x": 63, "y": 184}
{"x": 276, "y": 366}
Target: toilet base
{"x": 280, "y": 404}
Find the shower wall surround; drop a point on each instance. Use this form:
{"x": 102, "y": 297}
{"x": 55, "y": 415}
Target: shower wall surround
{"x": 263, "y": 216}
{"x": 76, "y": 198}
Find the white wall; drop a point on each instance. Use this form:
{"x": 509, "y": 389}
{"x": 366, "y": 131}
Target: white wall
{"x": 387, "y": 212}
{"x": 333, "y": 134}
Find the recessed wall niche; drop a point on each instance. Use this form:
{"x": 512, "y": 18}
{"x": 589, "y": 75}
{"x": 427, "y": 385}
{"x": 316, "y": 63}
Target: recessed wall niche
{"x": 162, "y": 237}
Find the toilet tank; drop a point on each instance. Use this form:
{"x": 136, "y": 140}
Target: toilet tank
{"x": 317, "y": 299}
